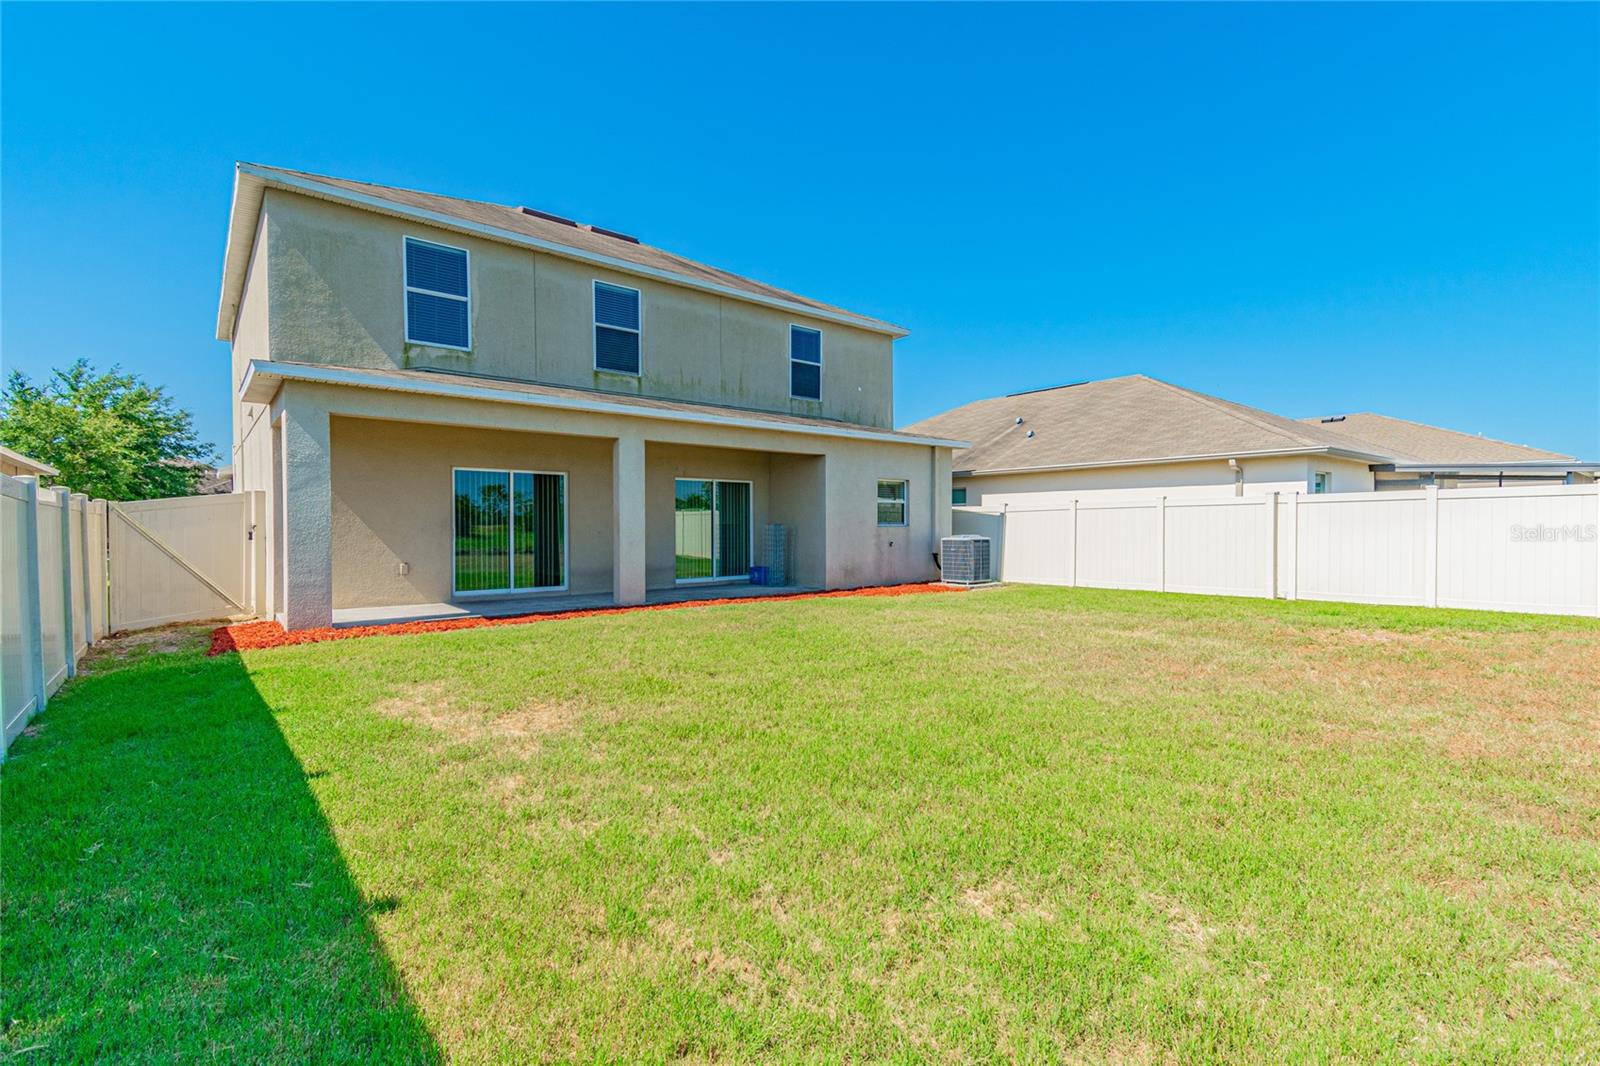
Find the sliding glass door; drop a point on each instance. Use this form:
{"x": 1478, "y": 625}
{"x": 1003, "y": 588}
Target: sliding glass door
{"x": 510, "y": 531}
{"x": 712, "y": 529}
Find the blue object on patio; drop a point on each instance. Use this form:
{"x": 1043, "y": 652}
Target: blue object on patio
{"x": 758, "y": 575}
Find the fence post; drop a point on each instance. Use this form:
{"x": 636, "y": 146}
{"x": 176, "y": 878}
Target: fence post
{"x": 99, "y": 592}
{"x": 85, "y": 579}
{"x": 1430, "y": 547}
{"x": 1291, "y": 584}
{"x": 30, "y": 591}
{"x": 69, "y": 644}
{"x": 1272, "y": 545}
{"x": 1161, "y": 543}
{"x": 1072, "y": 571}
{"x": 1597, "y": 551}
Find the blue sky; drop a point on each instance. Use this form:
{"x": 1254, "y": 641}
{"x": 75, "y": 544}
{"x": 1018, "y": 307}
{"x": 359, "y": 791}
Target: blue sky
{"x": 1312, "y": 209}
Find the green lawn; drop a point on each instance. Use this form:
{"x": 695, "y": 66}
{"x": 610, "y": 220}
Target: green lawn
{"x": 1027, "y": 824}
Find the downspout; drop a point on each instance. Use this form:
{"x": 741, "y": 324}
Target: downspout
{"x": 1238, "y": 477}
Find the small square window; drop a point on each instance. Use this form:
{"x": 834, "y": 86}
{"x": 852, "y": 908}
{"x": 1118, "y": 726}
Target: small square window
{"x": 1322, "y": 481}
{"x": 892, "y": 503}
{"x": 958, "y": 497}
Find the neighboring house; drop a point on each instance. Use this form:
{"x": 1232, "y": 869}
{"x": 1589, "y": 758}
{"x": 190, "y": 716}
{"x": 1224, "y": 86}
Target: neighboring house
{"x": 213, "y": 480}
{"x": 449, "y": 401}
{"x": 1429, "y": 455}
{"x": 218, "y": 481}
{"x": 15, "y": 464}
{"x": 1136, "y": 436}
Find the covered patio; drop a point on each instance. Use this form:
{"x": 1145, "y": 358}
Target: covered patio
{"x": 406, "y": 496}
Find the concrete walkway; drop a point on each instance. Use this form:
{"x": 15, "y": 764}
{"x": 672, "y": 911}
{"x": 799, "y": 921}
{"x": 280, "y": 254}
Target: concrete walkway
{"x": 546, "y": 604}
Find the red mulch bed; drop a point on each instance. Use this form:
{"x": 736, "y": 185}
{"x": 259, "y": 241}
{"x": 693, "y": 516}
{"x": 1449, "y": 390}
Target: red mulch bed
{"x": 252, "y": 636}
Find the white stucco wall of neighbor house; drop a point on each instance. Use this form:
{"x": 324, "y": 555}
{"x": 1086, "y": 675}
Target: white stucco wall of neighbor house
{"x": 1192, "y": 479}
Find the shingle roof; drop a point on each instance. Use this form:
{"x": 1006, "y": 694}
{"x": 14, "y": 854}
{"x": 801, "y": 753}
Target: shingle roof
{"x": 1130, "y": 419}
{"x": 583, "y": 240}
{"x": 1414, "y": 442}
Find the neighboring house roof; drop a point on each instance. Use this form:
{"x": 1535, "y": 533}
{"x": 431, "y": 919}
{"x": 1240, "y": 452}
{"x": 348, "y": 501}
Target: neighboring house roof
{"x": 263, "y": 378}
{"x": 26, "y": 463}
{"x": 508, "y": 224}
{"x": 1123, "y": 421}
{"x": 1413, "y": 442}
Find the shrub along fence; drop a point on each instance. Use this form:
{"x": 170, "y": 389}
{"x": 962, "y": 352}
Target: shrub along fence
{"x": 73, "y": 570}
{"x": 1499, "y": 549}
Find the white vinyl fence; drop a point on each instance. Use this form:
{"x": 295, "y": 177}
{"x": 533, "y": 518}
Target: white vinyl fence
{"x": 74, "y": 570}
{"x": 1502, "y": 549}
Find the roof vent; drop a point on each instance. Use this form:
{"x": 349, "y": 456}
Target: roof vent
{"x": 1019, "y": 420}
{"x": 1030, "y": 432}
{"x": 614, "y": 235}
{"x": 1334, "y": 418}
{"x": 548, "y": 217}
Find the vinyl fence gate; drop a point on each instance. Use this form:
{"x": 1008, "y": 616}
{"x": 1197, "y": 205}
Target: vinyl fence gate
{"x": 74, "y": 570}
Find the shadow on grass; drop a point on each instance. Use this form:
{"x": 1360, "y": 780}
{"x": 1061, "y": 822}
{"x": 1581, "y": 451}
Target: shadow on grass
{"x": 171, "y": 889}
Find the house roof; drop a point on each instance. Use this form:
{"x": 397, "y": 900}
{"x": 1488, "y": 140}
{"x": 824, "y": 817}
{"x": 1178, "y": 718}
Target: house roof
{"x": 1123, "y": 421}
{"x": 27, "y": 462}
{"x": 509, "y": 224}
{"x": 263, "y": 378}
{"x": 1414, "y": 442}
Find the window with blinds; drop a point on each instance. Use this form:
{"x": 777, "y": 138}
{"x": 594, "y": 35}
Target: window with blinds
{"x": 617, "y": 328}
{"x": 805, "y": 363}
{"x": 438, "y": 304}
{"x": 510, "y": 531}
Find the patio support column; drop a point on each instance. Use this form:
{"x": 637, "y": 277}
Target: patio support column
{"x": 627, "y": 508}
{"x": 307, "y": 500}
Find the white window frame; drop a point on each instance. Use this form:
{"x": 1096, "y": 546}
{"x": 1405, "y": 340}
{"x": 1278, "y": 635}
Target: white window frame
{"x": 405, "y": 277}
{"x": 566, "y": 538}
{"x": 821, "y": 341}
{"x": 595, "y": 325}
{"x": 1325, "y": 477}
{"x": 904, "y": 502}
{"x": 715, "y": 531}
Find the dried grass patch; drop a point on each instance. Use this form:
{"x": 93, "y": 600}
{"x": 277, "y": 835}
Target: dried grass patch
{"x": 112, "y": 651}
{"x": 435, "y": 706}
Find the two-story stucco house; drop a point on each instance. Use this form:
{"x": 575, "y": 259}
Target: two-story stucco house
{"x": 450, "y": 403}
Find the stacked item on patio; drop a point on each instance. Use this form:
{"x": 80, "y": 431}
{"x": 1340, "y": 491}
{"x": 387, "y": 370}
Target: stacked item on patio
{"x": 775, "y": 550}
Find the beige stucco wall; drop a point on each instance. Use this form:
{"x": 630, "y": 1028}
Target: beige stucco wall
{"x": 1204, "y": 478}
{"x": 384, "y": 460}
{"x": 336, "y": 296}
{"x": 393, "y": 503}
{"x": 250, "y": 342}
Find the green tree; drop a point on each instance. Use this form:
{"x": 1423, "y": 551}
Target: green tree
{"x": 109, "y": 434}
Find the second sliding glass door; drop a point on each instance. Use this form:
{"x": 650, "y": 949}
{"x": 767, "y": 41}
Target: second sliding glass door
{"x": 712, "y": 529}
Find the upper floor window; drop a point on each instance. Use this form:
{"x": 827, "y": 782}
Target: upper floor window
{"x": 438, "y": 308}
{"x": 1321, "y": 481}
{"x": 958, "y": 496}
{"x": 616, "y": 328}
{"x": 805, "y": 363}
